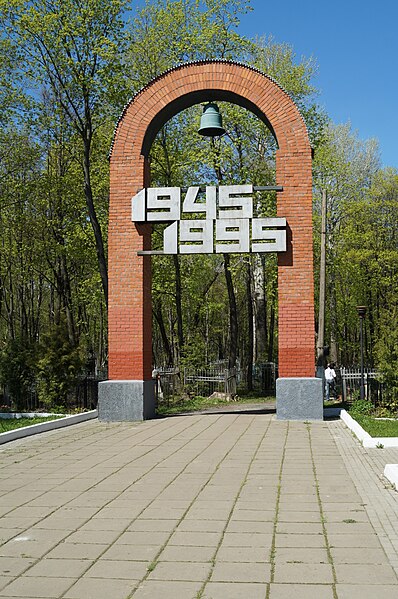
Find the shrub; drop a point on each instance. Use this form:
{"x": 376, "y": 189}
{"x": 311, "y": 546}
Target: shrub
{"x": 361, "y": 407}
{"x": 59, "y": 365}
{"x": 17, "y": 370}
{"x": 387, "y": 358}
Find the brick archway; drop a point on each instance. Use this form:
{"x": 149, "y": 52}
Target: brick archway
{"x": 130, "y": 333}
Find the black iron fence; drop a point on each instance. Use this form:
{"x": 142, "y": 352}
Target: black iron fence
{"x": 83, "y": 396}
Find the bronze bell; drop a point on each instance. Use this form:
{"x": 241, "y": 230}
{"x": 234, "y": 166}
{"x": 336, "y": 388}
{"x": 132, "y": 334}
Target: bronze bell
{"x": 211, "y": 121}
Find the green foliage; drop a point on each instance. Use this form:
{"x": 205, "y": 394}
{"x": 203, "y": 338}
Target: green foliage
{"x": 387, "y": 357}
{"x": 361, "y": 407}
{"x": 17, "y": 370}
{"x": 59, "y": 365}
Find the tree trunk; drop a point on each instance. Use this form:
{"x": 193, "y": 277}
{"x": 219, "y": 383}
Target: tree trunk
{"x": 233, "y": 328}
{"x": 260, "y": 308}
{"x": 157, "y": 311}
{"x": 271, "y": 335}
{"x": 250, "y": 341}
{"x": 178, "y": 296}
{"x": 99, "y": 243}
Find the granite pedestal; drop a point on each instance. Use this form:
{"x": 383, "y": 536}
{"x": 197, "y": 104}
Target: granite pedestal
{"x": 120, "y": 401}
{"x": 299, "y": 399}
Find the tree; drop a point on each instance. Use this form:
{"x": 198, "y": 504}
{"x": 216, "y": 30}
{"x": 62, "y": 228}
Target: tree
{"x": 73, "y": 50}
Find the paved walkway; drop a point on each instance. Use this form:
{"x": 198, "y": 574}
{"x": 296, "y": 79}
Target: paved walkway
{"x": 218, "y": 506}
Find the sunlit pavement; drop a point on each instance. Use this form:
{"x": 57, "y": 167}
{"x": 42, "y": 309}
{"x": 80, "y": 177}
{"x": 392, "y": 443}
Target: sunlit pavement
{"x": 213, "y": 506}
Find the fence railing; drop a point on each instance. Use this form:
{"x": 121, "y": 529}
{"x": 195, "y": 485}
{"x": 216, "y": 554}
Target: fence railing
{"x": 351, "y": 384}
{"x": 215, "y": 378}
{"x": 83, "y": 396}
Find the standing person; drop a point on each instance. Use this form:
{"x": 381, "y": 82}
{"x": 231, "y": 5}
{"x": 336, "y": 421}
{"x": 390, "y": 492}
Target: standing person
{"x": 330, "y": 376}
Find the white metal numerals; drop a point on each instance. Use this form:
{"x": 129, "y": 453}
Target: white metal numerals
{"x": 198, "y": 231}
{"x": 239, "y": 206}
{"x": 236, "y": 232}
{"x": 209, "y": 206}
{"x": 271, "y": 240}
{"x": 235, "y": 228}
{"x": 163, "y": 203}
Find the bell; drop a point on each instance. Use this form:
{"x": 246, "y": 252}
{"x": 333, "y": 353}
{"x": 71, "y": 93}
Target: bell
{"x": 211, "y": 121}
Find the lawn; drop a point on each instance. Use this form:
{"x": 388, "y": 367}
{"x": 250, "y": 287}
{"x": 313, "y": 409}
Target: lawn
{"x": 10, "y": 424}
{"x": 377, "y": 428}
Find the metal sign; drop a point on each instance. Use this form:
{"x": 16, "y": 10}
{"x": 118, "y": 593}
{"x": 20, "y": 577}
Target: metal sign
{"x": 227, "y": 225}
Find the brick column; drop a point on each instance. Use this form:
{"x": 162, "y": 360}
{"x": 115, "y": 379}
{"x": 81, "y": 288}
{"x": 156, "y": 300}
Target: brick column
{"x": 129, "y": 393}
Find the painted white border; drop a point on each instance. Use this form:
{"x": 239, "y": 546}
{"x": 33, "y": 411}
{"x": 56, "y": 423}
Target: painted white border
{"x": 50, "y": 425}
{"x": 363, "y": 436}
{"x": 391, "y": 473}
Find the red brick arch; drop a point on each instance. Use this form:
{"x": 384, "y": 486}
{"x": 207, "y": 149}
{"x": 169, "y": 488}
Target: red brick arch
{"x": 130, "y": 334}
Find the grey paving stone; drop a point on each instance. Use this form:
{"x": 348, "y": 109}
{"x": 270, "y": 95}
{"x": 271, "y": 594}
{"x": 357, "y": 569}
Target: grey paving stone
{"x": 77, "y": 551}
{"x": 301, "y": 591}
{"x": 353, "y": 540}
{"x": 365, "y": 574}
{"x": 31, "y": 587}
{"x": 299, "y": 540}
{"x": 241, "y": 539}
{"x": 59, "y": 568}
{"x": 247, "y": 526}
{"x": 222, "y": 590}
{"x": 26, "y": 548}
{"x": 188, "y": 571}
{"x": 243, "y": 554}
{"x": 241, "y": 572}
{"x": 201, "y": 526}
{"x": 254, "y": 515}
{"x": 161, "y": 589}
{"x": 308, "y": 528}
{"x": 200, "y": 539}
{"x": 301, "y": 555}
{"x": 93, "y": 537}
{"x": 13, "y": 566}
{"x": 364, "y": 591}
{"x": 182, "y": 553}
{"x": 100, "y": 588}
{"x": 303, "y": 573}
{"x": 145, "y": 525}
{"x": 361, "y": 555}
{"x": 4, "y": 581}
{"x": 338, "y": 517}
{"x": 349, "y": 527}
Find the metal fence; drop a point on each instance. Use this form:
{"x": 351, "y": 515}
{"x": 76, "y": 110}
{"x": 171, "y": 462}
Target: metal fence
{"x": 264, "y": 377}
{"x": 215, "y": 378}
{"x": 351, "y": 384}
{"x": 84, "y": 396}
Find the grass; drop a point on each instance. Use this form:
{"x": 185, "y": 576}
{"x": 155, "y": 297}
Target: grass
{"x": 10, "y": 424}
{"x": 198, "y": 403}
{"x": 377, "y": 428}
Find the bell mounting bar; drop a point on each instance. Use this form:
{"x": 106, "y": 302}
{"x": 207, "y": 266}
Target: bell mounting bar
{"x": 255, "y": 188}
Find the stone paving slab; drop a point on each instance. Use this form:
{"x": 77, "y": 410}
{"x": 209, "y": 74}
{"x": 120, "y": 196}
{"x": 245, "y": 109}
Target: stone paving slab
{"x": 204, "y": 506}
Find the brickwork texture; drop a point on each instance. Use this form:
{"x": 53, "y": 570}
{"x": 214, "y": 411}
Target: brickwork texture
{"x": 130, "y": 332}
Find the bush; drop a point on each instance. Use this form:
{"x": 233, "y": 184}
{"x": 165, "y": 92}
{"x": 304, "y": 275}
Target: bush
{"x": 387, "y": 358}
{"x": 17, "y": 370}
{"x": 361, "y": 407}
{"x": 59, "y": 365}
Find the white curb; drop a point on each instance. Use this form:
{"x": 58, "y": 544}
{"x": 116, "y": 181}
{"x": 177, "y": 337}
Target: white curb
{"x": 50, "y": 425}
{"x": 391, "y": 473}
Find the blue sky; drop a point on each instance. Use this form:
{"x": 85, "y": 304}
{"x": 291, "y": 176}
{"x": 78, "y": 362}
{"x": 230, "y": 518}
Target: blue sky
{"x": 355, "y": 45}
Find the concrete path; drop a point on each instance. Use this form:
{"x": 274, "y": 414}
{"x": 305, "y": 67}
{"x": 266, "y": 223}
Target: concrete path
{"x": 218, "y": 506}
